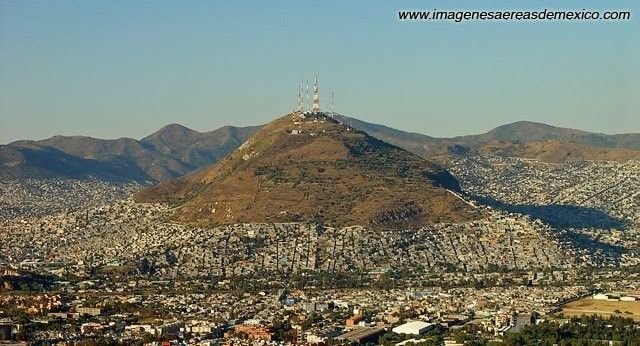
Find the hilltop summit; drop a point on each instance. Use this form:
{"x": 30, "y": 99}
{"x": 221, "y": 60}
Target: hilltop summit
{"x": 310, "y": 167}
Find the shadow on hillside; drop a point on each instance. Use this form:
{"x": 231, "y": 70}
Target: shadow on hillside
{"x": 585, "y": 242}
{"x": 564, "y": 218}
{"x": 560, "y": 216}
{"x": 49, "y": 161}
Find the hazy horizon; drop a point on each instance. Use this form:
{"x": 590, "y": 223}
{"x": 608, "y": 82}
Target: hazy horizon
{"x": 248, "y": 125}
{"x": 120, "y": 69}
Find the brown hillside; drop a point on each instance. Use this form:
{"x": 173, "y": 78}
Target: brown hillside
{"x": 520, "y": 139}
{"x": 556, "y": 151}
{"x": 167, "y": 154}
{"x": 315, "y": 169}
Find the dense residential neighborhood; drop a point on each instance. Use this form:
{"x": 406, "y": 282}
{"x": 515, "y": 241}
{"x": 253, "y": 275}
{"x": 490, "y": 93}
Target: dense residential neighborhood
{"x": 91, "y": 263}
{"x": 326, "y": 173}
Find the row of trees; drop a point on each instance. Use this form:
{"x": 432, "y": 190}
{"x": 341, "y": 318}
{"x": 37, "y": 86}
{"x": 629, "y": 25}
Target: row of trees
{"x": 585, "y": 330}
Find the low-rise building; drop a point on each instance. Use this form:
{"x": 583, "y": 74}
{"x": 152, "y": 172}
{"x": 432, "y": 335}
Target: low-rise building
{"x": 414, "y": 328}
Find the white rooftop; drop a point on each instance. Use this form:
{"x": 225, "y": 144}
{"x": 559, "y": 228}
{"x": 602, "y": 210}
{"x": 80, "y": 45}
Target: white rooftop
{"x": 413, "y": 327}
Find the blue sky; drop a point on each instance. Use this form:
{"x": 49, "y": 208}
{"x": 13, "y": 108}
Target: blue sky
{"x": 114, "y": 68}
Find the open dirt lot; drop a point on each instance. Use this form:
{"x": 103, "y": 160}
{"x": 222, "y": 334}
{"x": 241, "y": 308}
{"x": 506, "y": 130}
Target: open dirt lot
{"x": 590, "y": 306}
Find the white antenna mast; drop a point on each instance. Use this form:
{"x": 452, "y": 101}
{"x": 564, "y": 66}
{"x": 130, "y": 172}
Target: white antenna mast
{"x": 316, "y": 97}
{"x": 307, "y": 103}
{"x": 332, "y": 104}
{"x": 300, "y": 100}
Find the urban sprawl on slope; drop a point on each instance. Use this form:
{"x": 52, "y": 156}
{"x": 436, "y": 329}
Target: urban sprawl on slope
{"x": 81, "y": 260}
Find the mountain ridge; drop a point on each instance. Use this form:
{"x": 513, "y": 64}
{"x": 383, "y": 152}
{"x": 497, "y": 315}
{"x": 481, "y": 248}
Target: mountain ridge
{"x": 175, "y": 150}
{"x": 509, "y": 138}
{"x": 148, "y": 159}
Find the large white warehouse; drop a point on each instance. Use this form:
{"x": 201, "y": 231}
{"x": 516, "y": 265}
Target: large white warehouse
{"x": 413, "y": 327}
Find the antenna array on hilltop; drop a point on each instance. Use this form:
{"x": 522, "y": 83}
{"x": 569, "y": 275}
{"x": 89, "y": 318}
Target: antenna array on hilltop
{"x": 305, "y": 106}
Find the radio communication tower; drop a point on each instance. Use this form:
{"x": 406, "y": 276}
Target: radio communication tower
{"x": 307, "y": 103}
{"x": 300, "y": 99}
{"x": 316, "y": 97}
{"x": 332, "y": 104}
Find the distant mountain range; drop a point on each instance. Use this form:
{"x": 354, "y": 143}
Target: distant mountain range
{"x": 176, "y": 150}
{"x": 520, "y": 139}
{"x": 172, "y": 151}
